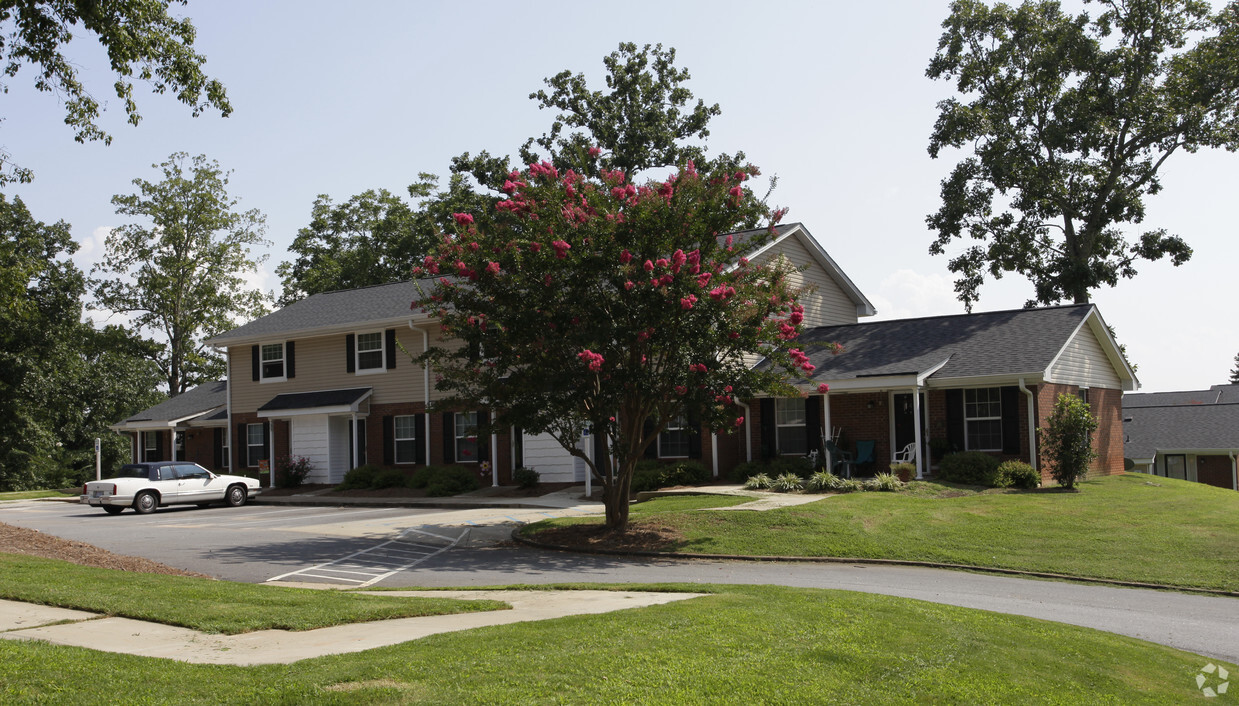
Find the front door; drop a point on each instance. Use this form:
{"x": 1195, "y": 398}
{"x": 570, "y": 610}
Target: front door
{"x": 905, "y": 434}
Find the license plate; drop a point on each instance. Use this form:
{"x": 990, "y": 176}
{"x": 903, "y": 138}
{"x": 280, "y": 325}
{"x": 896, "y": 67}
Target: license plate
{"x": 96, "y": 494}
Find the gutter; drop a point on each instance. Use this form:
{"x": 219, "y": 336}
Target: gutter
{"x": 1032, "y": 427}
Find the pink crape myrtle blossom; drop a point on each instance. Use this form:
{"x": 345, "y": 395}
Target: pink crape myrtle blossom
{"x": 463, "y": 219}
{"x": 823, "y": 388}
{"x": 688, "y": 302}
{"x": 592, "y": 360}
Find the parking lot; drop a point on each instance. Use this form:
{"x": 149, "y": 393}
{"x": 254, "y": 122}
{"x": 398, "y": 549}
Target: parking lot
{"x": 348, "y": 546}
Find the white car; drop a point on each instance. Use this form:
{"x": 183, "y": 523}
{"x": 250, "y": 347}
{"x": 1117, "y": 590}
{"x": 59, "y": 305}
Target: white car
{"x": 146, "y": 486}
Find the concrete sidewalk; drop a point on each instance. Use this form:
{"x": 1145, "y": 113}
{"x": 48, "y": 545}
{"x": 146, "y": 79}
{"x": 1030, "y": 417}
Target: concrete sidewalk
{"x": 26, "y": 621}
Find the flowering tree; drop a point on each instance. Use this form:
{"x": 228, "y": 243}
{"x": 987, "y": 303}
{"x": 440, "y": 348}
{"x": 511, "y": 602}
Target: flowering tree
{"x": 598, "y": 304}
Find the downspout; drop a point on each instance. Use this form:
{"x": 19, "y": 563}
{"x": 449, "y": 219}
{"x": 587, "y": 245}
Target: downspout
{"x": 1032, "y": 426}
{"x": 1234, "y": 473}
{"x": 714, "y": 452}
{"x": 748, "y": 436}
{"x": 494, "y": 453}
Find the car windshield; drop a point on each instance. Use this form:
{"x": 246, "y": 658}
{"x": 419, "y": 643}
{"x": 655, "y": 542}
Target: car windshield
{"x": 132, "y": 471}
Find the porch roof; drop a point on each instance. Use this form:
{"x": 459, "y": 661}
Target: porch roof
{"x": 198, "y": 404}
{"x": 317, "y": 402}
{"x": 999, "y": 344}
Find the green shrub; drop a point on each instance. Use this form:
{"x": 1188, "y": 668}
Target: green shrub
{"x": 899, "y": 469}
{"x": 968, "y": 468}
{"x": 1016, "y": 474}
{"x": 652, "y": 475}
{"x": 885, "y": 481}
{"x": 850, "y": 485}
{"x": 526, "y": 478}
{"x": 389, "y": 478}
{"x": 1067, "y": 440}
{"x": 441, "y": 481}
{"x": 773, "y": 467}
{"x": 788, "y": 482}
{"x": 760, "y": 481}
{"x": 359, "y": 478}
{"x": 822, "y": 481}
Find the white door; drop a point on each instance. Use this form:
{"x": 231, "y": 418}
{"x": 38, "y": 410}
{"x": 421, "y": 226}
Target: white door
{"x": 308, "y": 437}
{"x": 553, "y": 463}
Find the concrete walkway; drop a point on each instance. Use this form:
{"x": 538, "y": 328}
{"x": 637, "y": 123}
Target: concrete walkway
{"x": 26, "y": 621}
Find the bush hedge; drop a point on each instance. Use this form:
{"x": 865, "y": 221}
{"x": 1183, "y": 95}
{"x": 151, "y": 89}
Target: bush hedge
{"x": 526, "y": 478}
{"x": 773, "y": 467}
{"x": 1016, "y": 474}
{"x": 968, "y": 468}
{"x": 652, "y": 475}
{"x": 360, "y": 478}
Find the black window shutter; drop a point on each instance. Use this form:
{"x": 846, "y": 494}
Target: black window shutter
{"x": 350, "y": 346}
{"x": 651, "y": 451}
{"x": 391, "y": 348}
{"x": 159, "y": 447}
{"x": 419, "y": 454}
{"x": 694, "y": 436}
{"x": 219, "y": 447}
{"x": 290, "y": 360}
{"x": 449, "y": 437}
{"x": 955, "y": 419}
{"x": 769, "y": 447}
{"x": 1011, "y": 420}
{"x": 256, "y": 356}
{"x": 389, "y": 440}
{"x": 483, "y": 439}
{"x": 239, "y": 444}
{"x": 813, "y": 423}
{"x": 518, "y": 448}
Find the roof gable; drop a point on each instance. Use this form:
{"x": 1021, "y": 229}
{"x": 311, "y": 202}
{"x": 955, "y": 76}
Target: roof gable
{"x": 204, "y": 398}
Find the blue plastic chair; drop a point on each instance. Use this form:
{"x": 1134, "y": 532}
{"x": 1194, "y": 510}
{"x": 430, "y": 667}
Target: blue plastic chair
{"x": 864, "y": 452}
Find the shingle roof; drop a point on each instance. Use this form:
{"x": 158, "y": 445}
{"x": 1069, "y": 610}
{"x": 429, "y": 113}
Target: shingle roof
{"x": 1179, "y": 427}
{"x": 199, "y": 400}
{"x": 983, "y": 344}
{"x": 310, "y": 400}
{"x": 384, "y": 302}
{"x": 1218, "y": 394}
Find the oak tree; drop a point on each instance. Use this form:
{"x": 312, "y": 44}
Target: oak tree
{"x": 1068, "y": 120}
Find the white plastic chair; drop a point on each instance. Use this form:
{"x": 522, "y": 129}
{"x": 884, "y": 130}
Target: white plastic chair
{"x": 907, "y": 454}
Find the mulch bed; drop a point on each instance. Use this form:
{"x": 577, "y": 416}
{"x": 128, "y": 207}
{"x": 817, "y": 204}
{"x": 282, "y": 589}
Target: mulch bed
{"x": 646, "y": 538}
{"x": 19, "y": 540}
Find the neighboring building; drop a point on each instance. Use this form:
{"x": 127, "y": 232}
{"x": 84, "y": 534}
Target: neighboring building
{"x": 332, "y": 378}
{"x": 1193, "y": 435}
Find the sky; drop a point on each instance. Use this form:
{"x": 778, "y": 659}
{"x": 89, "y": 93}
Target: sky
{"x": 337, "y": 98}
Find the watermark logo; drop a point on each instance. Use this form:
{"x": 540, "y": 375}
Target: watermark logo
{"x": 1205, "y": 680}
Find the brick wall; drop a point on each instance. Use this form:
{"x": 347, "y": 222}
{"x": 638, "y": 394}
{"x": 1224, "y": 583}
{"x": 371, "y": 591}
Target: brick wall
{"x": 863, "y": 416}
{"x": 1107, "y": 406}
{"x": 1215, "y": 471}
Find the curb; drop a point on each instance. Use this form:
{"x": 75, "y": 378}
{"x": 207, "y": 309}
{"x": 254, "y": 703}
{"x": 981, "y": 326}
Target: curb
{"x": 519, "y": 539}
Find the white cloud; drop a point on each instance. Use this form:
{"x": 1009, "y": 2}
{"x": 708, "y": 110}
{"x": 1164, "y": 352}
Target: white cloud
{"x": 907, "y": 294}
{"x": 91, "y": 248}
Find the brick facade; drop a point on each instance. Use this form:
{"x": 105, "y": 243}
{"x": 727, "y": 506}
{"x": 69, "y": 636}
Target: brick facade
{"x": 1215, "y": 470}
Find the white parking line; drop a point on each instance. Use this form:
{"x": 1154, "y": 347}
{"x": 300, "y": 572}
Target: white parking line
{"x": 377, "y": 562}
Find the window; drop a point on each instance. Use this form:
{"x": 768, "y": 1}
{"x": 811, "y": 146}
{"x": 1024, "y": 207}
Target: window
{"x": 224, "y": 458}
{"x": 255, "y": 444}
{"x": 405, "y": 434}
{"x": 179, "y": 441}
{"x": 466, "y": 437}
{"x": 370, "y": 352}
{"x": 673, "y": 441}
{"x": 1176, "y": 466}
{"x": 272, "y": 361}
{"x": 191, "y": 471}
{"x": 150, "y": 440}
{"x": 789, "y": 421}
{"x": 983, "y": 419}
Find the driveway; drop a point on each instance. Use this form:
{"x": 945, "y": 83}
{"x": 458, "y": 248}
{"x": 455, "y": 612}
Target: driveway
{"x": 322, "y": 545}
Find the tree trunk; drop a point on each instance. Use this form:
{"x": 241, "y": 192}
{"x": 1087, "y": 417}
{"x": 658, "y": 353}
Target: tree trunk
{"x": 616, "y": 498}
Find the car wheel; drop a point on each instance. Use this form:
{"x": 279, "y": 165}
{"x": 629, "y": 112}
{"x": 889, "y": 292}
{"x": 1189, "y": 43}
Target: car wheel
{"x": 236, "y": 496}
{"x": 113, "y": 509}
{"x": 145, "y": 503}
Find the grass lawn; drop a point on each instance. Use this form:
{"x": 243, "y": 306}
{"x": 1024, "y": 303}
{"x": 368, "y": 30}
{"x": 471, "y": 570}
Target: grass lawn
{"x": 1132, "y": 527}
{"x": 742, "y": 644}
{"x": 205, "y": 604}
{"x": 31, "y": 494}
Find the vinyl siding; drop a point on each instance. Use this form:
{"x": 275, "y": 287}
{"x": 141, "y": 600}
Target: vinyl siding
{"x": 1084, "y": 363}
{"x": 320, "y": 365}
{"x": 827, "y": 304}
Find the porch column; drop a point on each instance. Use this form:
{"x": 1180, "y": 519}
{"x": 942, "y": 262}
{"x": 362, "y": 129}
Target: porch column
{"x": 916, "y": 431}
{"x": 352, "y": 432}
{"x": 827, "y": 431}
{"x": 494, "y": 453}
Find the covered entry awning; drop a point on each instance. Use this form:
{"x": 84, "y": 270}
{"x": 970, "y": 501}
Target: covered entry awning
{"x": 350, "y": 401}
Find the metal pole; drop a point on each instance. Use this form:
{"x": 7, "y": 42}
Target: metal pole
{"x": 98, "y": 458}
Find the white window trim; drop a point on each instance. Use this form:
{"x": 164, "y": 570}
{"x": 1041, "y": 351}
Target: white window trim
{"x": 679, "y": 424}
{"x": 800, "y": 425}
{"x": 967, "y": 419}
{"x": 262, "y": 363}
{"x": 382, "y": 368}
{"x": 249, "y": 446}
{"x": 396, "y": 438}
{"x": 227, "y": 456}
{"x": 477, "y": 448}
